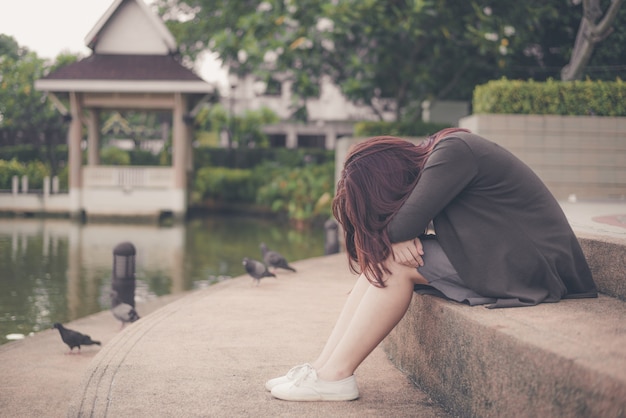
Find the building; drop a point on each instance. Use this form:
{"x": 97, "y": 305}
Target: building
{"x": 330, "y": 116}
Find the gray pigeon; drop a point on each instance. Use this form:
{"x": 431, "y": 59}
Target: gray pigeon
{"x": 274, "y": 259}
{"x": 124, "y": 312}
{"x": 256, "y": 269}
{"x": 74, "y": 338}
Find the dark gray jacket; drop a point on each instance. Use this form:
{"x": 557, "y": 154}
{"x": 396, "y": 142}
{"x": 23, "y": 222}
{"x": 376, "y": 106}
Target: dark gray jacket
{"x": 501, "y": 228}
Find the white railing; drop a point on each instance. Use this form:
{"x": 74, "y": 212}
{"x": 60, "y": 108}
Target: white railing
{"x": 128, "y": 177}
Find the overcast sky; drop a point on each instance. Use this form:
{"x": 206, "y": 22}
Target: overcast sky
{"x": 50, "y": 27}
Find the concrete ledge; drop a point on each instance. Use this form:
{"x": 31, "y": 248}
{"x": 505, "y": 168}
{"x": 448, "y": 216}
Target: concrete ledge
{"x": 607, "y": 259}
{"x": 566, "y": 359}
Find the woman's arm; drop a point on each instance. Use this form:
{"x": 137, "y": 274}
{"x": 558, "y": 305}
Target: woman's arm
{"x": 448, "y": 170}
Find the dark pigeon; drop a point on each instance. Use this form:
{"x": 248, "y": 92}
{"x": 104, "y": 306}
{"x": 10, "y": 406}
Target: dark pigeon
{"x": 123, "y": 312}
{"x": 274, "y": 259}
{"x": 74, "y": 338}
{"x": 256, "y": 269}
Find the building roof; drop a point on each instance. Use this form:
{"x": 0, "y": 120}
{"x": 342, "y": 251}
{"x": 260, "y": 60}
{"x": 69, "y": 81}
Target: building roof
{"x": 133, "y": 52}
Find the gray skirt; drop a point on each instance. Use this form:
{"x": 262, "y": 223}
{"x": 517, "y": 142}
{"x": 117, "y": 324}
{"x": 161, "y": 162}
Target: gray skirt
{"x": 443, "y": 279}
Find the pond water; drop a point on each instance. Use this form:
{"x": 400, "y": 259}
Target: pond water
{"x": 57, "y": 270}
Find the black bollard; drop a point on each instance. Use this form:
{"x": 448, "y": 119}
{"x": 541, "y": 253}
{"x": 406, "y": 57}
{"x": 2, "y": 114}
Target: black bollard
{"x": 123, "y": 280}
{"x": 331, "y": 244}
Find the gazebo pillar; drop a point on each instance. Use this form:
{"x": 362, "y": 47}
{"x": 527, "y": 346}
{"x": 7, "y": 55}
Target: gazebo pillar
{"x": 93, "y": 138}
{"x": 180, "y": 138}
{"x": 75, "y": 155}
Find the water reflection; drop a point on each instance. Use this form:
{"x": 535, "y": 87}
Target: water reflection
{"x": 57, "y": 270}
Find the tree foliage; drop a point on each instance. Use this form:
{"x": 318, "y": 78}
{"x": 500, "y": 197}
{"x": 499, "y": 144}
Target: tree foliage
{"x": 26, "y": 116}
{"x": 405, "y": 50}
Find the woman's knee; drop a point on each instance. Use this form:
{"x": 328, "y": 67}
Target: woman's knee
{"x": 402, "y": 272}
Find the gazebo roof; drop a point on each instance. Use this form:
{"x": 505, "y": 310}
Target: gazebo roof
{"x": 125, "y": 73}
{"x": 125, "y": 67}
{"x": 133, "y": 15}
{"x": 132, "y": 73}
{"x": 133, "y": 52}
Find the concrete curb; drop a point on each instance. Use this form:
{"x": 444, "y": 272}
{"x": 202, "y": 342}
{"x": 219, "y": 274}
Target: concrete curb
{"x": 606, "y": 256}
{"x": 566, "y": 359}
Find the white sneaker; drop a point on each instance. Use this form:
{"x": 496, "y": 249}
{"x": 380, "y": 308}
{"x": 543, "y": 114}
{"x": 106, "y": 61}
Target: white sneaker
{"x": 308, "y": 387}
{"x": 291, "y": 375}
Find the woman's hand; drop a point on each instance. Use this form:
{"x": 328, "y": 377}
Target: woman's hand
{"x": 408, "y": 253}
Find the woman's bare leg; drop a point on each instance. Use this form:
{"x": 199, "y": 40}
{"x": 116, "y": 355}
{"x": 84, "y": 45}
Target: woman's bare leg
{"x": 376, "y": 313}
{"x": 347, "y": 312}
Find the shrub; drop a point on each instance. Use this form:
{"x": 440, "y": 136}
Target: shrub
{"x": 114, "y": 156}
{"x": 252, "y": 157}
{"x": 302, "y": 193}
{"x": 224, "y": 184}
{"x": 35, "y": 170}
{"x": 599, "y": 98}
{"x": 8, "y": 169}
{"x": 142, "y": 157}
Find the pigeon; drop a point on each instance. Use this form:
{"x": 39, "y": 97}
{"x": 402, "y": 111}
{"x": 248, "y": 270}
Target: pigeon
{"x": 274, "y": 259}
{"x": 124, "y": 312}
{"x": 256, "y": 269}
{"x": 74, "y": 338}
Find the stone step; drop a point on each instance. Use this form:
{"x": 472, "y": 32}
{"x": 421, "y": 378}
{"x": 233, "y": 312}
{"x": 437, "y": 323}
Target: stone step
{"x": 606, "y": 256}
{"x": 565, "y": 359}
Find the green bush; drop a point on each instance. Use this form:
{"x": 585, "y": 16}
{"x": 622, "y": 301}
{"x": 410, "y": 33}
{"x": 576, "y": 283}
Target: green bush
{"x": 35, "y": 170}
{"x": 302, "y": 193}
{"x": 64, "y": 175}
{"x": 8, "y": 169}
{"x": 251, "y": 157}
{"x": 224, "y": 185}
{"x": 114, "y": 156}
{"x": 402, "y": 129}
{"x": 26, "y": 153}
{"x": 599, "y": 98}
{"x": 143, "y": 158}
{"x": 20, "y": 152}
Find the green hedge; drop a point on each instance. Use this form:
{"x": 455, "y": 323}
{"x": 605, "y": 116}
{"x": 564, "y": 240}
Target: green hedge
{"x": 406, "y": 128}
{"x": 299, "y": 193}
{"x": 26, "y": 153}
{"x": 599, "y": 98}
{"x": 8, "y": 169}
{"x": 35, "y": 170}
{"x": 251, "y": 157}
{"x": 224, "y": 184}
{"x": 113, "y": 156}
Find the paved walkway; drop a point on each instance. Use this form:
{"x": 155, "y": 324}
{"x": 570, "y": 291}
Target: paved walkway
{"x": 208, "y": 353}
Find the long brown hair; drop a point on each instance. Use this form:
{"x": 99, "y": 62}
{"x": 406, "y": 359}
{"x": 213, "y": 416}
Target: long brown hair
{"x": 377, "y": 177}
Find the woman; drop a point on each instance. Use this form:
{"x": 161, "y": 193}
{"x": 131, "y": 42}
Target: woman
{"x": 500, "y": 238}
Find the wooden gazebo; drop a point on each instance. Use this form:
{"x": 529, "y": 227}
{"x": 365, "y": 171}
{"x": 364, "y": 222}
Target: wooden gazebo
{"x": 134, "y": 65}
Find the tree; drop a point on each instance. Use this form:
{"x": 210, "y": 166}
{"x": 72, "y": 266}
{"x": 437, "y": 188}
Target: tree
{"x": 537, "y": 44}
{"x": 9, "y": 48}
{"x": 595, "y": 26}
{"x": 406, "y": 51}
{"x": 26, "y": 116}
